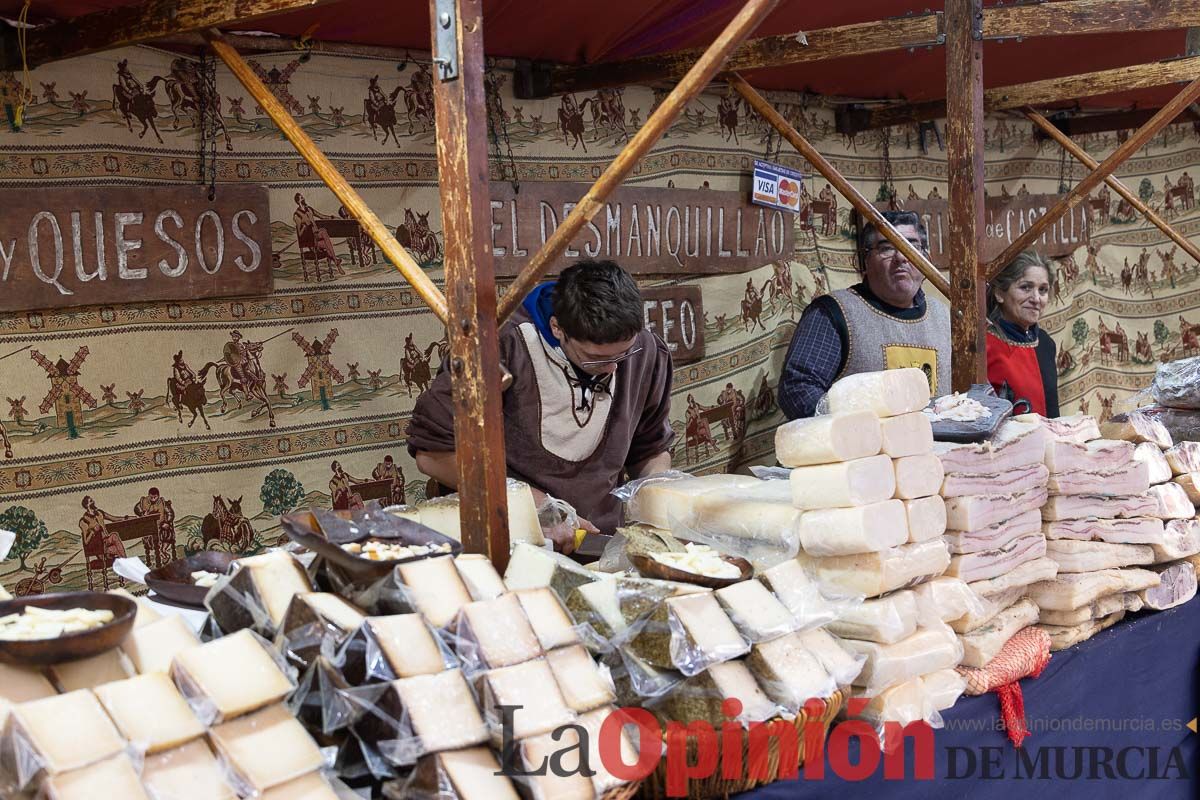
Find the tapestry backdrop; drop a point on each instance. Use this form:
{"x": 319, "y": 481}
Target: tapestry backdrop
{"x": 99, "y": 453}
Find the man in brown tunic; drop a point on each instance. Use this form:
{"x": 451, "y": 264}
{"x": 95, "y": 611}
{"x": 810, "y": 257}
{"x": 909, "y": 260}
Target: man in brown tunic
{"x": 589, "y": 402}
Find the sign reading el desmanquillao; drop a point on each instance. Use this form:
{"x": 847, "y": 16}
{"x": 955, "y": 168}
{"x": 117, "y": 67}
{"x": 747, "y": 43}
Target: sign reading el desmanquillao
{"x": 94, "y": 246}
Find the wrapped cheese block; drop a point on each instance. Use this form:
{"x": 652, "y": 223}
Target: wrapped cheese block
{"x": 429, "y": 713}
{"x": 1177, "y": 585}
{"x": 989, "y": 607}
{"x": 150, "y": 711}
{"x": 1139, "y": 530}
{"x": 1075, "y": 556}
{"x": 1016, "y": 444}
{"x": 1080, "y": 506}
{"x": 18, "y": 685}
{"x": 907, "y": 435}
{"x": 926, "y": 518}
{"x": 994, "y": 536}
{"x": 757, "y": 614}
{"x": 927, "y": 650}
{"x": 885, "y": 620}
{"x": 88, "y": 673}
{"x": 1018, "y": 479}
{"x": 658, "y": 499}
{"x": 849, "y": 483}
{"x": 1097, "y": 456}
{"x": 390, "y": 647}
{"x": 1180, "y": 540}
{"x": 531, "y": 567}
{"x": 1171, "y": 502}
{"x": 1102, "y": 607}
{"x": 266, "y": 748}
{"x": 885, "y": 394}
{"x": 798, "y": 592}
{"x": 443, "y": 515}
{"x": 701, "y": 634}
{"x": 701, "y": 696}
{"x": 66, "y": 731}
{"x": 872, "y": 574}
{"x": 583, "y": 685}
{"x": 460, "y": 774}
{"x": 1063, "y": 637}
{"x": 187, "y": 772}
{"x": 1073, "y": 590}
{"x": 1190, "y": 481}
{"x": 112, "y": 777}
{"x": 975, "y": 511}
{"x": 945, "y": 599}
{"x": 918, "y": 476}
{"x": 592, "y": 722}
{"x": 152, "y": 648}
{"x": 788, "y": 672}
{"x": 567, "y": 782}
{"x": 901, "y": 704}
{"x": 311, "y": 618}
{"x": 1137, "y": 427}
{"x": 944, "y": 687}
{"x": 495, "y": 633}
{"x": 1156, "y": 462}
{"x": 1132, "y": 478}
{"x": 435, "y": 588}
{"x": 549, "y": 619}
{"x": 833, "y": 658}
{"x": 858, "y": 529}
{"x": 480, "y": 577}
{"x": 596, "y": 605}
{"x": 308, "y": 787}
{"x": 530, "y": 688}
{"x": 230, "y": 676}
{"x": 1041, "y": 569}
{"x": 1184, "y": 457}
{"x": 762, "y": 511}
{"x": 983, "y": 644}
{"x": 987, "y": 564}
{"x": 826, "y": 439}
{"x": 258, "y": 592}
{"x": 1080, "y": 428}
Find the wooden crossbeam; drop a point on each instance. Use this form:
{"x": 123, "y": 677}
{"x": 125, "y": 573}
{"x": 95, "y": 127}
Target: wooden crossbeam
{"x": 144, "y": 22}
{"x": 1082, "y": 156}
{"x": 1034, "y": 94}
{"x": 1082, "y": 189}
{"x": 839, "y": 183}
{"x": 1082, "y": 124}
{"x": 1088, "y": 16}
{"x": 425, "y": 288}
{"x": 693, "y": 82}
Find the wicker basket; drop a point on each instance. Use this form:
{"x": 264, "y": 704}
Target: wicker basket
{"x": 655, "y": 785}
{"x": 626, "y": 792}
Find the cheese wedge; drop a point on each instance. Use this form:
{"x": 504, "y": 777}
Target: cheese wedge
{"x": 886, "y": 394}
{"x": 150, "y": 711}
{"x": 152, "y": 647}
{"x": 531, "y": 688}
{"x": 756, "y": 613}
{"x": 531, "y": 567}
{"x": 551, "y": 622}
{"x": 311, "y": 618}
{"x": 702, "y": 696}
{"x": 112, "y": 777}
{"x": 859, "y": 529}
{"x": 146, "y": 612}
{"x": 496, "y": 633}
{"x": 481, "y": 578}
{"x": 788, "y": 672}
{"x": 407, "y": 644}
{"x": 443, "y": 515}
{"x": 827, "y": 439}
{"x": 190, "y": 772}
{"x": 310, "y": 787}
{"x": 441, "y": 710}
{"x": 595, "y": 604}
{"x": 565, "y": 748}
{"x": 67, "y": 731}
{"x": 582, "y": 684}
{"x": 592, "y": 722}
{"x": 849, "y": 483}
{"x": 798, "y": 592}
{"x": 266, "y": 748}
{"x": 88, "y": 673}
{"x": 470, "y": 773}
{"x": 437, "y": 591}
{"x": 259, "y": 591}
{"x": 232, "y": 676}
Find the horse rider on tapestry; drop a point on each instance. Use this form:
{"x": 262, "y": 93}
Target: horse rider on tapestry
{"x": 375, "y": 96}
{"x": 91, "y": 524}
{"x": 154, "y": 504}
{"x": 132, "y": 86}
{"x": 412, "y": 355}
{"x": 242, "y": 358}
{"x": 184, "y": 377}
{"x": 305, "y": 219}
{"x": 752, "y": 293}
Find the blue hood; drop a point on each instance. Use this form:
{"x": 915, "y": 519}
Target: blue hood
{"x": 539, "y": 305}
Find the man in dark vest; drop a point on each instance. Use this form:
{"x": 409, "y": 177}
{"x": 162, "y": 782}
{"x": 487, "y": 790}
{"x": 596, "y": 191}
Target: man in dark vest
{"x": 884, "y": 322}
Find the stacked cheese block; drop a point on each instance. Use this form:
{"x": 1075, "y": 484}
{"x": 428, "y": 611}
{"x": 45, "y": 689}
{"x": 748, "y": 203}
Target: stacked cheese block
{"x": 442, "y": 514}
{"x": 871, "y": 523}
{"x": 209, "y": 719}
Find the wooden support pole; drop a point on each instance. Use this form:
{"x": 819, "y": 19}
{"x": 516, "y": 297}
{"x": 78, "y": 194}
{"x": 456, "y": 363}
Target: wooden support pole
{"x": 692, "y": 84}
{"x": 1082, "y": 189}
{"x": 843, "y": 186}
{"x": 460, "y": 113}
{"x": 421, "y": 283}
{"x": 1081, "y": 155}
{"x": 964, "y": 157}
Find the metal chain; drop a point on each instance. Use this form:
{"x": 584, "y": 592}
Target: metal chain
{"x": 1062, "y": 170}
{"x": 206, "y": 84}
{"x": 888, "y": 181}
{"x": 511, "y": 166}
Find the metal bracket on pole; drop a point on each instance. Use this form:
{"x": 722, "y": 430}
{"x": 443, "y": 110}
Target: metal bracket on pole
{"x": 445, "y": 45}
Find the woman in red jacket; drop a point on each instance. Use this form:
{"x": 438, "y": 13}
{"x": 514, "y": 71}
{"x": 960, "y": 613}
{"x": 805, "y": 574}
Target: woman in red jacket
{"x": 1020, "y": 356}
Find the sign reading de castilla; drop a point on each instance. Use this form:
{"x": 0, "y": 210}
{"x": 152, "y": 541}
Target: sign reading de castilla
{"x": 91, "y": 246}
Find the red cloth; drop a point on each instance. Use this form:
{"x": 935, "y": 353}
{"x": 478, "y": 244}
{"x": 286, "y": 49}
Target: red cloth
{"x": 1018, "y": 365}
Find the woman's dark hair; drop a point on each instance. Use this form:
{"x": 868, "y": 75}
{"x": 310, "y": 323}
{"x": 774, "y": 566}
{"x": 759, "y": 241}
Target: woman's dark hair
{"x": 870, "y": 235}
{"x": 598, "y": 302}
{"x": 1013, "y": 273}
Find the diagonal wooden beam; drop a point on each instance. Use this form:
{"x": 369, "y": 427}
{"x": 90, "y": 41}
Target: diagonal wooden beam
{"x": 1102, "y": 171}
{"x": 144, "y": 22}
{"x": 1033, "y": 94}
{"x": 696, "y": 79}
{"x": 1082, "y": 156}
{"x": 355, "y": 205}
{"x": 843, "y": 186}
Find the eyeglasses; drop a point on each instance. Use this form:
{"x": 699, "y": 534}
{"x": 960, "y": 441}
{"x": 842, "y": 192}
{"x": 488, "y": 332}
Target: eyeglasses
{"x": 888, "y": 251}
{"x": 604, "y": 362}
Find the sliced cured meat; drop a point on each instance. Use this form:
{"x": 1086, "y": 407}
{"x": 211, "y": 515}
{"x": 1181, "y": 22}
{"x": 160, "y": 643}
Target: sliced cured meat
{"x": 1184, "y": 457}
{"x": 1081, "y": 506}
{"x": 988, "y": 609}
{"x": 1075, "y": 556}
{"x": 1102, "y": 454}
{"x": 1177, "y": 585}
{"x": 991, "y": 563}
{"x": 1072, "y": 590}
{"x": 1139, "y": 530}
{"x": 982, "y": 644}
{"x": 1136, "y": 426}
{"x": 1080, "y": 428}
{"x": 973, "y": 512}
{"x": 1063, "y": 637}
{"x": 1016, "y": 444}
{"x": 1029, "y": 573}
{"x": 1171, "y": 502}
{"x": 1109, "y": 604}
{"x": 1018, "y": 479}
{"x": 1190, "y": 481}
{"x": 994, "y": 536}
{"x": 1160, "y": 469}
{"x": 1182, "y": 539}
{"x": 1132, "y": 478}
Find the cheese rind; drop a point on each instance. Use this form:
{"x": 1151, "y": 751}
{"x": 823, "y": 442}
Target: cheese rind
{"x": 259, "y": 591}
{"x": 828, "y": 439}
{"x": 849, "y": 483}
{"x": 858, "y": 529}
{"x": 907, "y": 435}
{"x": 886, "y": 394}
{"x": 983, "y": 644}
{"x": 149, "y": 710}
{"x": 551, "y": 623}
{"x": 918, "y": 476}
{"x": 583, "y": 685}
{"x": 496, "y": 633}
{"x": 266, "y": 748}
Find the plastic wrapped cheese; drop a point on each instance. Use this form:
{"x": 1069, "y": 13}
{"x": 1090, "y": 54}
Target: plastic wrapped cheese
{"x": 849, "y": 483}
{"x": 308, "y": 787}
{"x": 944, "y": 687}
{"x": 257, "y": 593}
{"x": 702, "y": 696}
{"x": 443, "y": 515}
{"x": 655, "y": 500}
{"x": 701, "y": 633}
{"x": 858, "y": 529}
{"x": 841, "y": 665}
{"x": 567, "y": 781}
{"x": 907, "y": 435}
{"x": 799, "y": 593}
{"x": 902, "y": 704}
{"x": 112, "y": 777}
{"x": 537, "y": 704}
{"x": 230, "y": 676}
{"x": 531, "y": 567}
{"x": 266, "y": 748}
{"x": 926, "y": 518}
{"x": 927, "y": 650}
{"x": 495, "y": 633}
{"x": 885, "y": 394}
{"x": 757, "y": 614}
{"x": 480, "y": 577}
{"x": 435, "y": 588}
{"x": 983, "y": 644}
{"x": 885, "y": 619}
{"x": 549, "y": 619}
{"x": 789, "y": 673}
{"x": 760, "y": 511}
{"x": 829, "y": 438}
{"x": 187, "y": 772}
{"x": 152, "y": 647}
{"x": 1075, "y": 556}
{"x": 1077, "y": 589}
{"x": 584, "y": 686}
{"x": 469, "y": 774}
{"x": 1156, "y": 462}
{"x": 873, "y": 574}
{"x": 918, "y": 476}
{"x": 592, "y": 722}
{"x": 150, "y": 711}
{"x": 390, "y": 647}
{"x": 19, "y": 684}
{"x": 945, "y": 599}
{"x": 61, "y": 733}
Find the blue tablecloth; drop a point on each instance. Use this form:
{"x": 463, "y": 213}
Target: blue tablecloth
{"x": 1132, "y": 690}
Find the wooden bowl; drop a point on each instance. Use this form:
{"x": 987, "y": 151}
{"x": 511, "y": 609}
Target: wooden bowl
{"x": 302, "y": 529}
{"x": 651, "y": 568}
{"x": 69, "y": 646}
{"x": 174, "y": 580}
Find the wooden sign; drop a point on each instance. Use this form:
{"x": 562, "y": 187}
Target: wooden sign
{"x": 676, "y": 314}
{"x": 644, "y": 230}
{"x": 1005, "y": 219}
{"x": 94, "y": 246}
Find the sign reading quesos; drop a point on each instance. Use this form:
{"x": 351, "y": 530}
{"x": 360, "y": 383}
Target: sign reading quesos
{"x": 93, "y": 246}
{"x": 645, "y": 230}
